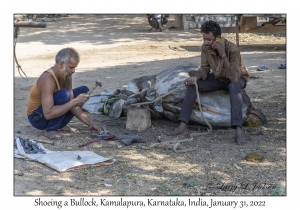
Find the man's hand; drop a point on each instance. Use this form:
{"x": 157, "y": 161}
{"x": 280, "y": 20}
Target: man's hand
{"x": 81, "y": 99}
{"x": 218, "y": 46}
{"x": 198, "y": 74}
{"x": 190, "y": 81}
{"x": 94, "y": 128}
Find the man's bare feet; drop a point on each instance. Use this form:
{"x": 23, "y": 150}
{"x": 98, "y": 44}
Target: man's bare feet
{"x": 238, "y": 136}
{"x": 182, "y": 128}
{"x": 65, "y": 129}
{"x": 53, "y": 135}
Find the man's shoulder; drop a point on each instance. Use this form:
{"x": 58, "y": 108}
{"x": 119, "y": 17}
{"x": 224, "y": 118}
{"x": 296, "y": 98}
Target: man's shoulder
{"x": 45, "y": 76}
{"x": 230, "y": 45}
{"x": 46, "y": 80}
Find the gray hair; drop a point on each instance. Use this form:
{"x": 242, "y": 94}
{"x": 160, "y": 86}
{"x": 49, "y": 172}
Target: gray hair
{"x": 65, "y": 55}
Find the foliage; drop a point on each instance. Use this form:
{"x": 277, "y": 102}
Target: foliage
{"x": 192, "y": 183}
{"x": 277, "y": 192}
{"x": 176, "y": 193}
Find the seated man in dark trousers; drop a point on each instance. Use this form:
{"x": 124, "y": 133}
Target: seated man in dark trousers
{"x": 53, "y": 102}
{"x": 221, "y": 69}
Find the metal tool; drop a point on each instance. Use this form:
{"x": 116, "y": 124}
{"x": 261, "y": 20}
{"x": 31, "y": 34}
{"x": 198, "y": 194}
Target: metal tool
{"x": 97, "y": 83}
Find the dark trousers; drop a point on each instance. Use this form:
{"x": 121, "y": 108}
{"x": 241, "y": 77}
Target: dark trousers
{"x": 60, "y": 97}
{"x": 212, "y": 84}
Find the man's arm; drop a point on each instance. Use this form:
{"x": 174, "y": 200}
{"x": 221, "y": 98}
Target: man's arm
{"x": 85, "y": 119}
{"x": 46, "y": 86}
{"x": 204, "y": 69}
{"x": 77, "y": 112}
{"x": 232, "y": 66}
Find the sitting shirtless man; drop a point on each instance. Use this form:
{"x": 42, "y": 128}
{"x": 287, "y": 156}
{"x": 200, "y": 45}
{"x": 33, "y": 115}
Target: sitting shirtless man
{"x": 52, "y": 102}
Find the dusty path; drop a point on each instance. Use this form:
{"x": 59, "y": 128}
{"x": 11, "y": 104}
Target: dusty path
{"x": 117, "y": 48}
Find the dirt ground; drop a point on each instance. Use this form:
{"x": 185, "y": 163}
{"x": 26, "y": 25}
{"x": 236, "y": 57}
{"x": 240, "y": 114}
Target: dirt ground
{"x": 118, "y": 48}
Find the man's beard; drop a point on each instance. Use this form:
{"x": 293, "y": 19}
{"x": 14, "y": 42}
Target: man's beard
{"x": 65, "y": 73}
{"x": 67, "y": 80}
{"x": 65, "y": 77}
{"x": 209, "y": 47}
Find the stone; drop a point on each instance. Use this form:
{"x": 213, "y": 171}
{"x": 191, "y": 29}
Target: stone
{"x": 221, "y": 19}
{"x": 227, "y": 24}
{"x": 186, "y": 25}
{"x": 138, "y": 119}
{"x": 178, "y": 21}
{"x": 253, "y": 157}
{"x": 192, "y": 25}
{"x": 195, "y": 21}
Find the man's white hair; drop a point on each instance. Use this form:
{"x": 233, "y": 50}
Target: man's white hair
{"x": 65, "y": 55}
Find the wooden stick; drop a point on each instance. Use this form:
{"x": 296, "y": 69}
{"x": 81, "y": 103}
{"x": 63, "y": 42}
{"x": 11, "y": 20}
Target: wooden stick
{"x": 44, "y": 141}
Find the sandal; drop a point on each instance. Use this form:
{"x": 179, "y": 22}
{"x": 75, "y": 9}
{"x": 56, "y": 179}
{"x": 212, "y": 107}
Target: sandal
{"x": 262, "y": 68}
{"x": 282, "y": 66}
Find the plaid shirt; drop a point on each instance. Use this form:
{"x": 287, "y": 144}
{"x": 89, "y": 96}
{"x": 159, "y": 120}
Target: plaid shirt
{"x": 210, "y": 62}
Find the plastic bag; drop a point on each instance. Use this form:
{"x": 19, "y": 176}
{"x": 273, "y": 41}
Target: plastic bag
{"x": 61, "y": 160}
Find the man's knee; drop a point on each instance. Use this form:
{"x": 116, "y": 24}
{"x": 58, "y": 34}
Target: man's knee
{"x": 190, "y": 89}
{"x": 62, "y": 96}
{"x": 85, "y": 89}
{"x": 235, "y": 86}
{"x": 66, "y": 93}
{"x": 81, "y": 90}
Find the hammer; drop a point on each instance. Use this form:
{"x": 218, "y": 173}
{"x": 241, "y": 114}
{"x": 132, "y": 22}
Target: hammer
{"x": 97, "y": 83}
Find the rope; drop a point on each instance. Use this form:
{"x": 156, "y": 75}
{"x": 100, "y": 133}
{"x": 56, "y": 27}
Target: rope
{"x": 18, "y": 65}
{"x": 199, "y": 103}
{"x": 162, "y": 96}
{"x": 174, "y": 144}
{"x": 144, "y": 90}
